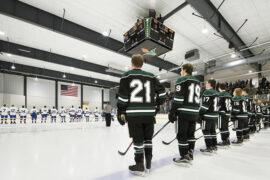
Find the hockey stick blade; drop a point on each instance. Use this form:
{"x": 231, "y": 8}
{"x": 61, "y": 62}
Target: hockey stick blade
{"x": 168, "y": 143}
{"x": 122, "y": 153}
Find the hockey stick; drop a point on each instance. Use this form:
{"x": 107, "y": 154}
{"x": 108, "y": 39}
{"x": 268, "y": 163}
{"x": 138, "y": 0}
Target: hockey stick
{"x": 124, "y": 153}
{"x": 168, "y": 143}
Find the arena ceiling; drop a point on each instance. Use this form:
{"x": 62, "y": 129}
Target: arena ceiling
{"x": 21, "y": 25}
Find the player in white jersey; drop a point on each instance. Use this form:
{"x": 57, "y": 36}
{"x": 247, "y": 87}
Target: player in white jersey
{"x": 34, "y": 115}
{"x": 44, "y": 114}
{"x": 112, "y": 115}
{"x": 72, "y": 114}
{"x": 79, "y": 114}
{"x": 23, "y": 113}
{"x": 53, "y": 114}
{"x": 103, "y": 115}
{"x": 62, "y": 113}
{"x": 4, "y": 114}
{"x": 13, "y": 114}
{"x": 87, "y": 114}
{"x": 96, "y": 112}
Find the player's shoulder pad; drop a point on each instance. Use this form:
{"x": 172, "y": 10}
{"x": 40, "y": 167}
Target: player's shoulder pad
{"x": 137, "y": 72}
{"x": 184, "y": 78}
{"x": 210, "y": 92}
{"x": 237, "y": 98}
{"x": 225, "y": 94}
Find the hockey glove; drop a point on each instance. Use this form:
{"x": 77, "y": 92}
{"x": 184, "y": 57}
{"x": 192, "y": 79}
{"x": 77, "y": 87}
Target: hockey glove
{"x": 121, "y": 117}
{"x": 172, "y": 116}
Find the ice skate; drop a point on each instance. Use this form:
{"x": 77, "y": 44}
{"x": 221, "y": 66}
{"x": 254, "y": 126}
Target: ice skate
{"x": 137, "y": 169}
{"x": 183, "y": 161}
{"x": 207, "y": 151}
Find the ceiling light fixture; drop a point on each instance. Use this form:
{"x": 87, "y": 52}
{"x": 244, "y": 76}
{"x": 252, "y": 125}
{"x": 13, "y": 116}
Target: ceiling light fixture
{"x": 64, "y": 75}
{"x": 96, "y": 81}
{"x": 2, "y": 33}
{"x": 249, "y": 71}
{"x": 204, "y": 30}
{"x": 13, "y": 66}
{"x": 105, "y": 33}
{"x": 9, "y": 55}
{"x": 73, "y": 84}
{"x": 36, "y": 78}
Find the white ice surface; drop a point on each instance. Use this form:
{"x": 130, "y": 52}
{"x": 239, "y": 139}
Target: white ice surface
{"x": 85, "y": 151}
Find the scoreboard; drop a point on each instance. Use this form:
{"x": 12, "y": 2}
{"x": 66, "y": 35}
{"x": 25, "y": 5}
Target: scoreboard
{"x": 149, "y": 37}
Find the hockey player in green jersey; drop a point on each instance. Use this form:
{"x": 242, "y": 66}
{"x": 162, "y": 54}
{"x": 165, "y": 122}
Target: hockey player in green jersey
{"x": 239, "y": 114}
{"x": 247, "y": 121}
{"x": 185, "y": 108}
{"x": 209, "y": 113}
{"x": 225, "y": 105}
{"x": 140, "y": 95}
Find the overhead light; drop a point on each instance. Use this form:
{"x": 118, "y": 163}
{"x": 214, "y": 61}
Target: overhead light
{"x": 212, "y": 78}
{"x": 233, "y": 55}
{"x": 36, "y": 78}
{"x": 105, "y": 33}
{"x": 194, "y": 72}
{"x": 13, "y": 66}
{"x": 9, "y": 55}
{"x": 249, "y": 71}
{"x": 96, "y": 81}
{"x": 64, "y": 75}
{"x": 71, "y": 68}
{"x": 24, "y": 50}
{"x": 204, "y": 30}
{"x": 158, "y": 76}
{"x": 2, "y": 33}
{"x": 73, "y": 84}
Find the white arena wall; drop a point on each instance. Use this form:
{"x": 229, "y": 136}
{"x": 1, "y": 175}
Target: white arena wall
{"x": 42, "y": 92}
{"x": 92, "y": 96}
{"x": 11, "y": 89}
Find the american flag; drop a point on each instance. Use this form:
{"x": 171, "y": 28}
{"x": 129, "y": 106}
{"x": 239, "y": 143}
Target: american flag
{"x": 67, "y": 90}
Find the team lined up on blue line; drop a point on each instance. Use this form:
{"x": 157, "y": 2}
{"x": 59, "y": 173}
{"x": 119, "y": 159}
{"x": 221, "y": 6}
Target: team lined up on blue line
{"x": 75, "y": 115}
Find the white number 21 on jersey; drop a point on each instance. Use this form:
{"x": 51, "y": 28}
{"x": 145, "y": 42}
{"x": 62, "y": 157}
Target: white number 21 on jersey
{"x": 138, "y": 84}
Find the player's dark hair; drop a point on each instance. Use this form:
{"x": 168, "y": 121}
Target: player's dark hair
{"x": 223, "y": 86}
{"x": 247, "y": 90}
{"x": 212, "y": 82}
{"x": 137, "y": 60}
{"x": 188, "y": 68}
